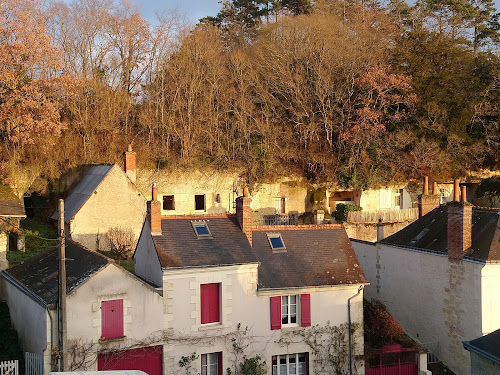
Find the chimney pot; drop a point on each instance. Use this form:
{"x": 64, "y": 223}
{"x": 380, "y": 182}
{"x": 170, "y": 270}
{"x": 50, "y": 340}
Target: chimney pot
{"x": 434, "y": 188}
{"x": 129, "y": 147}
{"x": 456, "y": 190}
{"x": 380, "y": 230}
{"x": 245, "y": 192}
{"x": 426, "y": 185}
{"x": 154, "y": 192}
{"x": 463, "y": 195}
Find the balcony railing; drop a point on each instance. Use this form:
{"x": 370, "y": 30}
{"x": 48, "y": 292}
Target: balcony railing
{"x": 274, "y": 219}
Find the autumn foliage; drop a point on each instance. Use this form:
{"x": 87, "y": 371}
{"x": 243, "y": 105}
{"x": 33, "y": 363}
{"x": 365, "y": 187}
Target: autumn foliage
{"x": 348, "y": 92}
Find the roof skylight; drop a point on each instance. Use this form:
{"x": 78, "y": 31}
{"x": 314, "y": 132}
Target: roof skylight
{"x": 201, "y": 229}
{"x": 276, "y": 241}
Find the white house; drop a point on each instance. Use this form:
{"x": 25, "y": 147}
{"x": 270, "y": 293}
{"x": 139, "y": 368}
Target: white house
{"x": 439, "y": 276}
{"x": 113, "y": 318}
{"x": 105, "y": 198}
{"x": 233, "y": 290}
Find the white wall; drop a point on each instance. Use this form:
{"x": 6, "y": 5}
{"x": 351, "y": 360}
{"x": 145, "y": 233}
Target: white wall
{"x": 29, "y": 319}
{"x": 142, "y": 310}
{"x": 146, "y": 262}
{"x": 434, "y": 300}
{"x": 242, "y": 305}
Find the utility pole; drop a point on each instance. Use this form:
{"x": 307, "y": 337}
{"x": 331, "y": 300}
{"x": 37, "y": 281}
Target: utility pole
{"x": 62, "y": 286}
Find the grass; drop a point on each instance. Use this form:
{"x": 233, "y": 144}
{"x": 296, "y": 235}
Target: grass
{"x": 39, "y": 236}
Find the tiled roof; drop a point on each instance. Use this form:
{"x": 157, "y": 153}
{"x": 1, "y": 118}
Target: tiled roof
{"x": 39, "y": 274}
{"x": 178, "y": 246}
{"x": 430, "y": 233}
{"x": 10, "y": 204}
{"x": 488, "y": 346}
{"x": 313, "y": 257}
{"x": 79, "y": 195}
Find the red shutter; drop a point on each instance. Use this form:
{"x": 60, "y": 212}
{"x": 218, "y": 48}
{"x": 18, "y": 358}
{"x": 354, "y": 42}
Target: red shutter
{"x": 275, "y": 313}
{"x": 209, "y": 303}
{"x": 305, "y": 310}
{"x": 219, "y": 364}
{"x": 112, "y": 318}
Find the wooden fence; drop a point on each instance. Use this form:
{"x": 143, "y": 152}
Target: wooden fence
{"x": 387, "y": 216}
{"x": 9, "y": 368}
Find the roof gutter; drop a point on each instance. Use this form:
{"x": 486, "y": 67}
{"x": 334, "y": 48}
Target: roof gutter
{"x": 472, "y": 348}
{"x": 349, "y": 325}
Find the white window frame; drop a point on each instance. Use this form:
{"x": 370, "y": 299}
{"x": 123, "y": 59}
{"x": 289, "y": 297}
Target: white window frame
{"x": 201, "y": 223}
{"x": 209, "y": 363}
{"x": 288, "y": 314}
{"x": 276, "y": 235}
{"x": 276, "y": 368}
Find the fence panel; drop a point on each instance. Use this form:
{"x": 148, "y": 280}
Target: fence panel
{"x": 33, "y": 364}
{"x": 387, "y": 216}
{"x": 9, "y": 368}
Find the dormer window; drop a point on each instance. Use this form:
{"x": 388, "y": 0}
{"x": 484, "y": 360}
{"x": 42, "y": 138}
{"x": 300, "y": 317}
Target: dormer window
{"x": 276, "y": 241}
{"x": 201, "y": 229}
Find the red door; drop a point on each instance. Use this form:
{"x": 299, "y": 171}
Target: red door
{"x": 147, "y": 359}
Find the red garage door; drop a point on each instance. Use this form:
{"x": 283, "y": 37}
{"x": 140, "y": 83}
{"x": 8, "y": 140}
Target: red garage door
{"x": 147, "y": 359}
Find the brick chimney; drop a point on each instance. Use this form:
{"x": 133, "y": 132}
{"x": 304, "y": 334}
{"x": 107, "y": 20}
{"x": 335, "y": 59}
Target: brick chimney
{"x": 459, "y": 229}
{"x": 154, "y": 212}
{"x": 244, "y": 214}
{"x": 130, "y": 164}
{"x": 426, "y": 202}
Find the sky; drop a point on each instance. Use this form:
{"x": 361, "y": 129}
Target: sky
{"x": 193, "y": 9}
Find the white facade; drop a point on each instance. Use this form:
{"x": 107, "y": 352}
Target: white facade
{"x": 438, "y": 302}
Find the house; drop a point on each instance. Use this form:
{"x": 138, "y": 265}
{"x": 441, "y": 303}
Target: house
{"x": 11, "y": 213}
{"x": 105, "y": 198}
{"x": 234, "y": 290}
{"x": 485, "y": 354}
{"x": 439, "y": 276}
{"x": 112, "y": 317}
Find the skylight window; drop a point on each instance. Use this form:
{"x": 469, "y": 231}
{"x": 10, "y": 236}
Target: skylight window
{"x": 276, "y": 241}
{"x": 201, "y": 229}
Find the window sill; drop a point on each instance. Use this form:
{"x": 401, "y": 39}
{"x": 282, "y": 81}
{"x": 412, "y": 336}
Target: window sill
{"x": 112, "y": 339}
{"x": 209, "y": 326}
{"x": 291, "y": 328}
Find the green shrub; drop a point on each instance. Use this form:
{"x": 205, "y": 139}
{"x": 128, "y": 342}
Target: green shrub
{"x": 342, "y": 209}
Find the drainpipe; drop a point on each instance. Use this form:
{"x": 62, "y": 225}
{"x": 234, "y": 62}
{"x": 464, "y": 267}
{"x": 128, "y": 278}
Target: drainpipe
{"x": 349, "y": 325}
{"x": 51, "y": 336}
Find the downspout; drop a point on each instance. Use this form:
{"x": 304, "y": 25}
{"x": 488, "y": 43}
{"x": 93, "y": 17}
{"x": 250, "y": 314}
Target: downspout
{"x": 349, "y": 325}
{"x": 51, "y": 336}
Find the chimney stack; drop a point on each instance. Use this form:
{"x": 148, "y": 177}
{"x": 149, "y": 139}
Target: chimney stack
{"x": 130, "y": 164}
{"x": 154, "y": 212}
{"x": 244, "y": 213}
{"x": 459, "y": 229}
{"x": 426, "y": 202}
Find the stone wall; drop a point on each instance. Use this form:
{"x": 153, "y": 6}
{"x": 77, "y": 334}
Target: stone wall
{"x": 368, "y": 231}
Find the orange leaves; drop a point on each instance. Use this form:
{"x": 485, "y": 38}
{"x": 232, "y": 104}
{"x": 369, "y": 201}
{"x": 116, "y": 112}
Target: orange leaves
{"x": 29, "y": 66}
{"x": 381, "y": 98}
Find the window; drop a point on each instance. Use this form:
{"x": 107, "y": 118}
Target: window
{"x": 276, "y": 241}
{"x": 201, "y": 229}
{"x": 289, "y": 310}
{"x": 211, "y": 364}
{"x": 279, "y": 205}
{"x": 168, "y": 202}
{"x": 285, "y": 311}
{"x": 210, "y": 303}
{"x": 199, "y": 202}
{"x": 112, "y": 319}
{"x": 291, "y": 364}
